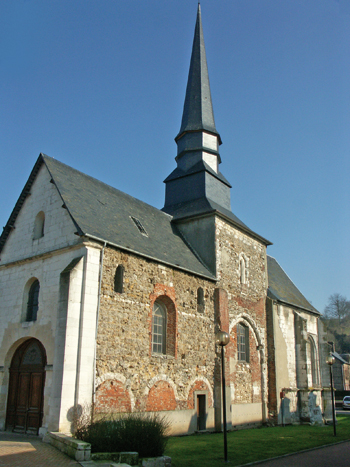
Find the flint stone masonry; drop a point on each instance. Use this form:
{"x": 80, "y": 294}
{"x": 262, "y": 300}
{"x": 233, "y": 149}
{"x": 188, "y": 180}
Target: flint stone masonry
{"x": 170, "y": 382}
{"x": 124, "y": 332}
{"x": 246, "y": 305}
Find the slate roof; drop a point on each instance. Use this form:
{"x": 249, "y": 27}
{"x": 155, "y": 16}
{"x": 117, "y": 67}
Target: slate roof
{"x": 104, "y": 213}
{"x": 282, "y": 289}
{"x": 340, "y": 358}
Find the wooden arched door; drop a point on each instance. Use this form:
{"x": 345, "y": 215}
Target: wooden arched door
{"x": 26, "y": 388}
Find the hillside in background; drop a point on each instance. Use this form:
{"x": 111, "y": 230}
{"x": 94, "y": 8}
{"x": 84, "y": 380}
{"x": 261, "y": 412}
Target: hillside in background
{"x": 339, "y": 333}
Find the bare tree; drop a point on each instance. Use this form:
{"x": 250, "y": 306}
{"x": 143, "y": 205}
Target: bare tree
{"x": 338, "y": 307}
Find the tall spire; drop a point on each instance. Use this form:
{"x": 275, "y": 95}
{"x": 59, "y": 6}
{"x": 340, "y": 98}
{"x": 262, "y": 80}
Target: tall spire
{"x": 196, "y": 186}
{"x": 198, "y": 109}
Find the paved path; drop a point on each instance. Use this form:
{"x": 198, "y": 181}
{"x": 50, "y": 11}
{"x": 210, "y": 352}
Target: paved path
{"x": 337, "y": 455}
{"x": 29, "y": 451}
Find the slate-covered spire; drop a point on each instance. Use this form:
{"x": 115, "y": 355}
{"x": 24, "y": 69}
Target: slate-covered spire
{"x": 198, "y": 109}
{"x": 196, "y": 186}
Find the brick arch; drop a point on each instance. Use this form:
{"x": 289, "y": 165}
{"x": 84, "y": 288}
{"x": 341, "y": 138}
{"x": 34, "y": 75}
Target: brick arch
{"x": 113, "y": 395}
{"x": 161, "y": 396}
{"x": 247, "y": 321}
{"x": 199, "y": 384}
{"x": 247, "y": 379}
{"x": 165, "y": 295}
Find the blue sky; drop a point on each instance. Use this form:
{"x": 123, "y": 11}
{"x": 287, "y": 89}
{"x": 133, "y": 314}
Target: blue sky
{"x": 100, "y": 85}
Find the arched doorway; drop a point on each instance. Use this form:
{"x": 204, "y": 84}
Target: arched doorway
{"x": 26, "y": 388}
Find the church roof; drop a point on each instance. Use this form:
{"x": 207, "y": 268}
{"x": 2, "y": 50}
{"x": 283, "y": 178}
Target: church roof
{"x": 282, "y": 289}
{"x": 104, "y": 213}
{"x": 198, "y": 109}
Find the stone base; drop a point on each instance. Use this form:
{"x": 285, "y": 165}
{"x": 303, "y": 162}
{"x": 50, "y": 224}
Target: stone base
{"x": 74, "y": 448}
{"x": 129, "y": 458}
{"x": 157, "y": 462}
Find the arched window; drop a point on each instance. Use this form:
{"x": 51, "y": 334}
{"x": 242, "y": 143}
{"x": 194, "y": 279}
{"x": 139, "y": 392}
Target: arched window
{"x": 159, "y": 326}
{"x": 243, "y": 269}
{"x": 119, "y": 279}
{"x": 33, "y": 301}
{"x": 39, "y": 225}
{"x": 242, "y": 343}
{"x": 200, "y": 300}
{"x": 312, "y": 360}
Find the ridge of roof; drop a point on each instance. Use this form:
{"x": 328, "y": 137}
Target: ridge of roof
{"x": 10, "y": 224}
{"x": 104, "y": 213}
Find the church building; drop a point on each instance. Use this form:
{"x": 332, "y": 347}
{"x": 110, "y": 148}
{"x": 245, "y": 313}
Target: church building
{"x": 112, "y": 303}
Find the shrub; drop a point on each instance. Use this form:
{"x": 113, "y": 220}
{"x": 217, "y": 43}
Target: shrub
{"x": 143, "y": 433}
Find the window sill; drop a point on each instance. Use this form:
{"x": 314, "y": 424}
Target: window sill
{"x": 162, "y": 356}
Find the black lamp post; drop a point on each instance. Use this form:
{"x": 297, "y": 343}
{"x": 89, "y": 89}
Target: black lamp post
{"x": 330, "y": 361}
{"x": 222, "y": 339}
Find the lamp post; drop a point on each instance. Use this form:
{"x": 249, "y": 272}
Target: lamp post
{"x": 330, "y": 361}
{"x": 222, "y": 339}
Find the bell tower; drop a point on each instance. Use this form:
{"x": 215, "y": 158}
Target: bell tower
{"x": 196, "y": 185}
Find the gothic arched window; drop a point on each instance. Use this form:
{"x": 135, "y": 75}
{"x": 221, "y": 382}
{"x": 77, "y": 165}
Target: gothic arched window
{"x": 33, "y": 301}
{"x": 312, "y": 357}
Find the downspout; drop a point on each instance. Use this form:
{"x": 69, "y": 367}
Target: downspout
{"x": 96, "y": 329}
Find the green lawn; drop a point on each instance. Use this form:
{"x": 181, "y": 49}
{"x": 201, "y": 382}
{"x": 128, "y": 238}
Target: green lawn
{"x": 244, "y": 446}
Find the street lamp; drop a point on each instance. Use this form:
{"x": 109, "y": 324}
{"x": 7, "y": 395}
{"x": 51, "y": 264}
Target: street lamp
{"x": 222, "y": 339}
{"x": 330, "y": 360}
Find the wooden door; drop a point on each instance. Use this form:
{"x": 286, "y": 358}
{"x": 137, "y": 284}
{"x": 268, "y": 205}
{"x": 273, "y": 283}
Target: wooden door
{"x": 26, "y": 388}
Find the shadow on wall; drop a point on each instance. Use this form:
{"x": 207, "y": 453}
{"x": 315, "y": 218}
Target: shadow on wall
{"x": 74, "y": 415}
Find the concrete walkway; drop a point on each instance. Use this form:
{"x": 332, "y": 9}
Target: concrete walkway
{"x": 29, "y": 451}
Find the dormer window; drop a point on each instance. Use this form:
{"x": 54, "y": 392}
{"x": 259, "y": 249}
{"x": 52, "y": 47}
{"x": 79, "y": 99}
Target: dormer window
{"x": 39, "y": 225}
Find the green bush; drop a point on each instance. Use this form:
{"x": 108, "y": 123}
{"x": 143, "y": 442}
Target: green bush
{"x": 142, "y": 433}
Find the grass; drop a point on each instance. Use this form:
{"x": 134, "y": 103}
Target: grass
{"x": 244, "y": 446}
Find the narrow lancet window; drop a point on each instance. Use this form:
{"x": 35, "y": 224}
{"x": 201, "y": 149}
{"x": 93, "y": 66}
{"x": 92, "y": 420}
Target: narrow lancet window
{"x": 33, "y": 301}
{"x": 119, "y": 279}
{"x": 200, "y": 300}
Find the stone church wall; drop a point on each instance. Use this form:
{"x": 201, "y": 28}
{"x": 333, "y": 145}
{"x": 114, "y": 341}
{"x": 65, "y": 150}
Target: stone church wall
{"x": 246, "y": 305}
{"x": 294, "y": 367}
{"x": 153, "y": 382}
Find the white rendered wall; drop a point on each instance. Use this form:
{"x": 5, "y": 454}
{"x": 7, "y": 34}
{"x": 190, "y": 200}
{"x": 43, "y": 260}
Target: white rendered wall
{"x": 69, "y": 372}
{"x": 59, "y": 227}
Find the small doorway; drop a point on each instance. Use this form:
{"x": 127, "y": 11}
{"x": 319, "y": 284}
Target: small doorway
{"x": 201, "y": 412}
{"x": 26, "y": 388}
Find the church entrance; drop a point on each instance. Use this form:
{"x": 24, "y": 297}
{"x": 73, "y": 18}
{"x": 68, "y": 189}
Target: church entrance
{"x": 26, "y": 388}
